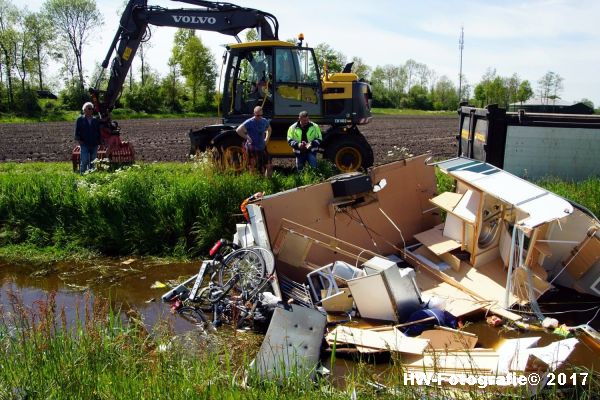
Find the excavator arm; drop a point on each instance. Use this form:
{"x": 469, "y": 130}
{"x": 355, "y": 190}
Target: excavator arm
{"x": 225, "y": 18}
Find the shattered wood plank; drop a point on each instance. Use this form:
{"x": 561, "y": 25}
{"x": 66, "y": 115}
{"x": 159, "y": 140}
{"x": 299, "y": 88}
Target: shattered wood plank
{"x": 386, "y": 341}
{"x": 484, "y": 303}
{"x": 471, "y": 361}
{"x": 436, "y": 241}
{"x": 442, "y": 338}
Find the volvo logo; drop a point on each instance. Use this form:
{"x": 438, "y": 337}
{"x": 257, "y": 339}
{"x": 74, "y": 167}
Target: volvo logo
{"x": 186, "y": 19}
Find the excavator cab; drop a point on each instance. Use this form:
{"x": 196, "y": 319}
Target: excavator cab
{"x": 280, "y": 77}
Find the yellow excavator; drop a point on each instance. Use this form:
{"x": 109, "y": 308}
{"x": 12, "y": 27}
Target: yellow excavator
{"x": 282, "y": 77}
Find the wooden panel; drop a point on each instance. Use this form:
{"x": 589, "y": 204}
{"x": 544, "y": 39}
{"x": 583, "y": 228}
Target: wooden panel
{"x": 410, "y": 184}
{"x": 474, "y": 361}
{"x": 452, "y": 260}
{"x": 392, "y": 340}
{"x": 442, "y": 338}
{"x": 582, "y": 261}
{"x": 436, "y": 241}
{"x": 468, "y": 207}
{"x": 453, "y": 228}
{"x": 293, "y": 249}
{"x": 447, "y": 200}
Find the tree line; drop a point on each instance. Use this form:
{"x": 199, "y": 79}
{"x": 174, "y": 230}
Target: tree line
{"x": 60, "y": 32}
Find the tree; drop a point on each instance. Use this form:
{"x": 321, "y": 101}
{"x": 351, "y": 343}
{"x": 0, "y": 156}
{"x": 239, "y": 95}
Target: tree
{"x": 587, "y": 102}
{"x": 444, "y": 95}
{"x": 334, "y": 59}
{"x": 197, "y": 66}
{"x": 41, "y": 32}
{"x": 549, "y": 86}
{"x": 9, "y": 16}
{"x": 525, "y": 92}
{"x": 75, "y": 20}
{"x": 362, "y": 70}
{"x": 418, "y": 98}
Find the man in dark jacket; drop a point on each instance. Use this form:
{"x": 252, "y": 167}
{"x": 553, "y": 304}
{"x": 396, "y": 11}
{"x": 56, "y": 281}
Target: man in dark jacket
{"x": 87, "y": 133}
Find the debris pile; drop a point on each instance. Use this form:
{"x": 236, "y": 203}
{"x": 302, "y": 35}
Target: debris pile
{"x": 367, "y": 264}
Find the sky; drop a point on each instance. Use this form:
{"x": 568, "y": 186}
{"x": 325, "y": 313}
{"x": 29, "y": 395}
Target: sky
{"x": 528, "y": 37}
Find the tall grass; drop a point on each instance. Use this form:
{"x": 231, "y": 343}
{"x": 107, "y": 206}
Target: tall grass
{"x": 106, "y": 355}
{"x": 169, "y": 209}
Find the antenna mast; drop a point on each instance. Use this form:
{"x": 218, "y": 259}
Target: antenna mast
{"x": 461, "y": 46}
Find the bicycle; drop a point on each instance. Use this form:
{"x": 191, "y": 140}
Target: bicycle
{"x": 241, "y": 270}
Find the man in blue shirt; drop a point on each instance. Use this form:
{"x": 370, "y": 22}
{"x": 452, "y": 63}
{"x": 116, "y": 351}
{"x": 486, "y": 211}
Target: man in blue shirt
{"x": 256, "y": 131}
{"x": 87, "y": 133}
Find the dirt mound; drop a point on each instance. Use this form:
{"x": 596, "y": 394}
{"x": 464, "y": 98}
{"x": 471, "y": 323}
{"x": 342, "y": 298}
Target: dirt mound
{"x": 167, "y": 139}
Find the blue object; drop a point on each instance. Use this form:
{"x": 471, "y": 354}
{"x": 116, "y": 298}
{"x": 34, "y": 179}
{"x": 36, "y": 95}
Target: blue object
{"x": 440, "y": 318}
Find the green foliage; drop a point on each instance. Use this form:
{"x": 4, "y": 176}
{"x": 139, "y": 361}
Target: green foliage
{"x": 74, "y": 21}
{"x": 73, "y": 96}
{"x": 159, "y": 209}
{"x": 197, "y": 67}
{"x": 417, "y": 98}
{"x": 26, "y": 103}
{"x": 326, "y": 54}
{"x": 142, "y": 97}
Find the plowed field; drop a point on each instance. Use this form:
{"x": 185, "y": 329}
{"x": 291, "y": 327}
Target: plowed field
{"x": 167, "y": 139}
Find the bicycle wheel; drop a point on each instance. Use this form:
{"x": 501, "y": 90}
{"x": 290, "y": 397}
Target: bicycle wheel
{"x": 250, "y": 266}
{"x": 192, "y": 314}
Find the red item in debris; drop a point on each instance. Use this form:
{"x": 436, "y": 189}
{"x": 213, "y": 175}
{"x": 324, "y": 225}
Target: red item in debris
{"x": 216, "y": 247}
{"x": 493, "y": 320}
{"x": 176, "y": 306}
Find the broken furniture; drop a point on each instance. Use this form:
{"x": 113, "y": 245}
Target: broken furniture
{"x": 292, "y": 343}
{"x": 386, "y": 292}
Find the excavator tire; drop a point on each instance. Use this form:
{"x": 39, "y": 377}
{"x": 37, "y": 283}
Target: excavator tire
{"x": 230, "y": 154}
{"x": 349, "y": 152}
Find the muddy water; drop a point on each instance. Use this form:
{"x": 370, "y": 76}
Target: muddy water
{"x": 128, "y": 284}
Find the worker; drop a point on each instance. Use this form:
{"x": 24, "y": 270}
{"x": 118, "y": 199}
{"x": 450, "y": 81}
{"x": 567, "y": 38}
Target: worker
{"x": 305, "y": 138}
{"x": 256, "y": 132}
{"x": 87, "y": 133}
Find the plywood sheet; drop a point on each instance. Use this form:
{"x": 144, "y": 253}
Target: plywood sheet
{"x": 489, "y": 280}
{"x": 442, "y": 338}
{"x": 410, "y": 184}
{"x": 468, "y": 206}
{"x": 447, "y": 200}
{"x": 474, "y": 361}
{"x": 586, "y": 255}
{"x": 436, "y": 241}
{"x": 293, "y": 249}
{"x": 457, "y": 302}
{"x": 392, "y": 340}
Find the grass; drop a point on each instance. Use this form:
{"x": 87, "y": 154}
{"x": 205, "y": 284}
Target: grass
{"x": 168, "y": 209}
{"x": 58, "y": 114}
{"x": 107, "y": 354}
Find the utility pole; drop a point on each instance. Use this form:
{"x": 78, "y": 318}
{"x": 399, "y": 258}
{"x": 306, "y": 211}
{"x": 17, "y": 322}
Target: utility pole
{"x": 461, "y": 46}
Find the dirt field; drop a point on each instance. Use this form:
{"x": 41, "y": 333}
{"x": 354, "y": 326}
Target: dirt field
{"x": 167, "y": 139}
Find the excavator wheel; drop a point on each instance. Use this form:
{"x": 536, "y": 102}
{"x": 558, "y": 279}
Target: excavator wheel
{"x": 231, "y": 154}
{"x": 349, "y": 152}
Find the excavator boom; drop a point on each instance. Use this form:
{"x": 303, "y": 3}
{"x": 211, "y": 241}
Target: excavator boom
{"x": 224, "y": 18}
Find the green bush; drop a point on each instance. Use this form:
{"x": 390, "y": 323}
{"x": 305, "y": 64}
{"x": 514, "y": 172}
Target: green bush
{"x": 167, "y": 209}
